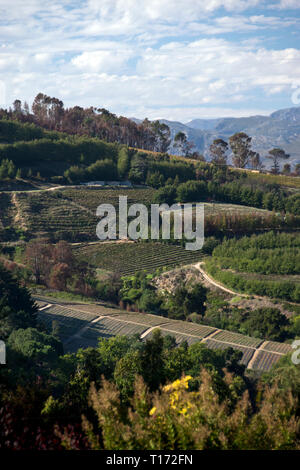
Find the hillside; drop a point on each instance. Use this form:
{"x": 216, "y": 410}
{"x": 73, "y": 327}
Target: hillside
{"x": 280, "y": 129}
{"x": 82, "y": 325}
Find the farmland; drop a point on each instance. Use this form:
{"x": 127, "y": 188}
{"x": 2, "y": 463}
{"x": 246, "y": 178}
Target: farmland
{"x": 128, "y": 258}
{"x": 265, "y": 265}
{"x": 265, "y": 360}
{"x": 70, "y": 213}
{"x": 81, "y": 325}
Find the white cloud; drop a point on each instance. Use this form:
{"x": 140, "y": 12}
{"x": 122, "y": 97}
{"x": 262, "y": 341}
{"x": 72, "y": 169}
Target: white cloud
{"x": 159, "y": 57}
{"x": 102, "y": 60}
{"x": 286, "y": 4}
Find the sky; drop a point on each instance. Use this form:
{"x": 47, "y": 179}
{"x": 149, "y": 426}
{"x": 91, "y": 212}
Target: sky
{"x": 172, "y": 59}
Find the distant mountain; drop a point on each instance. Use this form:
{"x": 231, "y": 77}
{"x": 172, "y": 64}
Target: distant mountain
{"x": 204, "y": 124}
{"x": 280, "y": 129}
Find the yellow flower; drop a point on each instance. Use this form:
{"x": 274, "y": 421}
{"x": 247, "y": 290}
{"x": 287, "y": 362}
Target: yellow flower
{"x": 152, "y": 411}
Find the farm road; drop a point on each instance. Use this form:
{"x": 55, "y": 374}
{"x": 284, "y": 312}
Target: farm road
{"x": 216, "y": 284}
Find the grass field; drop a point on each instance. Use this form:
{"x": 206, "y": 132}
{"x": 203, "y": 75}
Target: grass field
{"x": 128, "y": 258}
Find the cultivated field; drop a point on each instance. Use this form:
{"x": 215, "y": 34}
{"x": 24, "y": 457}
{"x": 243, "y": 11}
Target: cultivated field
{"x": 82, "y": 325}
{"x": 230, "y": 337}
{"x": 128, "y": 258}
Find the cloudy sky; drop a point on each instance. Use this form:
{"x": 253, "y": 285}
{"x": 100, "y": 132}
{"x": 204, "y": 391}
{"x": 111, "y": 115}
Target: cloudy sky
{"x": 173, "y": 59}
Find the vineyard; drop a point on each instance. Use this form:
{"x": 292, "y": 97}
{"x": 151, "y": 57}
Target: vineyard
{"x": 107, "y": 327}
{"x": 49, "y": 213}
{"x": 247, "y": 352}
{"x": 232, "y": 209}
{"x": 5, "y": 210}
{"x": 265, "y": 360}
{"x": 68, "y": 321}
{"x": 82, "y": 325}
{"x": 70, "y": 213}
{"x": 128, "y": 258}
{"x": 236, "y": 338}
{"x": 91, "y": 198}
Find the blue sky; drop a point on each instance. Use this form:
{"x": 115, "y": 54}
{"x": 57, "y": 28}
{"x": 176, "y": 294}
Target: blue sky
{"x": 172, "y": 59}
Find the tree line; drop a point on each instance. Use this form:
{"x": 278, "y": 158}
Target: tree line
{"x": 49, "y": 113}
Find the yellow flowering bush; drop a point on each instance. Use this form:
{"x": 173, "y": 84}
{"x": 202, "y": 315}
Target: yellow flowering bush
{"x": 176, "y": 418}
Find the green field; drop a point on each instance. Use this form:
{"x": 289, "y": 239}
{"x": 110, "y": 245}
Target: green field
{"x": 128, "y": 258}
{"x": 70, "y": 213}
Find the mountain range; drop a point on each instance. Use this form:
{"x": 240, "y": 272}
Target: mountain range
{"x": 280, "y": 129}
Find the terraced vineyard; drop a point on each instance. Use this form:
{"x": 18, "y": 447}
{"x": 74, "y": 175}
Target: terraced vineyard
{"x": 128, "y": 258}
{"x": 236, "y": 338}
{"x": 49, "y": 212}
{"x": 221, "y": 208}
{"x": 272, "y": 346}
{"x": 265, "y": 360}
{"x": 193, "y": 329}
{"x": 107, "y": 327}
{"x": 91, "y": 198}
{"x": 247, "y": 352}
{"x": 82, "y": 325}
{"x": 69, "y": 321}
{"x": 150, "y": 320}
{"x": 179, "y": 337}
{"x": 64, "y": 213}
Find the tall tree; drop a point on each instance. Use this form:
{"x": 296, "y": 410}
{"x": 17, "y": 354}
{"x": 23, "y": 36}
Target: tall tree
{"x": 218, "y": 152}
{"x": 162, "y": 136}
{"x": 240, "y": 144}
{"x": 255, "y": 160}
{"x": 39, "y": 254}
{"x": 276, "y": 155}
{"x": 182, "y": 144}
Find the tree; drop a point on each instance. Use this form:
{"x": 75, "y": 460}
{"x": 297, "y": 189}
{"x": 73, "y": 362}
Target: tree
{"x": 62, "y": 253}
{"x": 255, "y": 160}
{"x": 198, "y": 156}
{"x": 7, "y": 169}
{"x": 17, "y": 308}
{"x": 59, "y": 276}
{"x": 297, "y": 169}
{"x": 218, "y": 150}
{"x": 126, "y": 371}
{"x": 195, "y": 299}
{"x": 152, "y": 360}
{"x": 276, "y": 155}
{"x": 182, "y": 144}
{"x": 35, "y": 346}
{"x": 286, "y": 169}
{"x": 38, "y": 254}
{"x": 240, "y": 144}
{"x": 17, "y": 107}
{"x": 162, "y": 136}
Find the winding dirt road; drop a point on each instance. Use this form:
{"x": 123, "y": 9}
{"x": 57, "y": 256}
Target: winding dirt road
{"x": 216, "y": 284}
